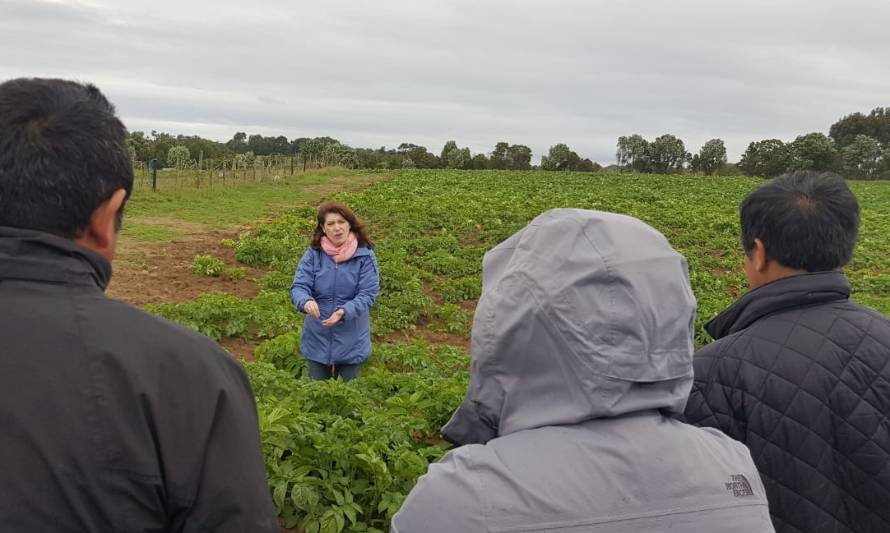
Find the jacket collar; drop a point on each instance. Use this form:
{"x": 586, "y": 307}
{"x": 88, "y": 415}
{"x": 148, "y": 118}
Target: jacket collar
{"x": 795, "y": 291}
{"x": 359, "y": 252}
{"x": 362, "y": 250}
{"x": 37, "y": 256}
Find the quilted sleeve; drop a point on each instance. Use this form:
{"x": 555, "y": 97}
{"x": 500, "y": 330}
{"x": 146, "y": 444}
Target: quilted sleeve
{"x": 711, "y": 401}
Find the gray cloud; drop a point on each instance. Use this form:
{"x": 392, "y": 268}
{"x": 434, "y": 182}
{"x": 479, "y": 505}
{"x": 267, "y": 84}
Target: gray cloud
{"x": 532, "y": 72}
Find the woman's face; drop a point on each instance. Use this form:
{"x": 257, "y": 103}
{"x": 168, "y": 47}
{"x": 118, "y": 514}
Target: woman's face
{"x": 336, "y": 228}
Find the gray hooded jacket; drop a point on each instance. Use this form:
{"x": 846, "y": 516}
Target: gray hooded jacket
{"x": 582, "y": 344}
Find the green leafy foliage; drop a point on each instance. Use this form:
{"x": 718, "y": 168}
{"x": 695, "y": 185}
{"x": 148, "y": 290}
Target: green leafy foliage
{"x": 235, "y": 273}
{"x": 283, "y": 352}
{"x": 343, "y": 456}
{"x": 451, "y": 318}
{"x": 219, "y": 315}
{"x": 207, "y": 265}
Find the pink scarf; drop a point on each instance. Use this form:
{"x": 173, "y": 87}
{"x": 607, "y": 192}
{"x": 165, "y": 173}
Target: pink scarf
{"x": 341, "y": 253}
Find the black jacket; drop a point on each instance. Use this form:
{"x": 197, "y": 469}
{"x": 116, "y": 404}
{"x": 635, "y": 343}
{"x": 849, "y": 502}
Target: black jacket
{"x": 802, "y": 376}
{"x": 112, "y": 420}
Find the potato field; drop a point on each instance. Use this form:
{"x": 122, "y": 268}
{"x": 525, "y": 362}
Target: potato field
{"x": 343, "y": 456}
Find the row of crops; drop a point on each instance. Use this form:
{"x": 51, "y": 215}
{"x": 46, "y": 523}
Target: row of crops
{"x": 342, "y": 457}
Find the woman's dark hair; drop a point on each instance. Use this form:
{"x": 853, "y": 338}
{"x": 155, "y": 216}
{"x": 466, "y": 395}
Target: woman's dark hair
{"x": 806, "y": 220}
{"x": 62, "y": 153}
{"x": 355, "y": 225}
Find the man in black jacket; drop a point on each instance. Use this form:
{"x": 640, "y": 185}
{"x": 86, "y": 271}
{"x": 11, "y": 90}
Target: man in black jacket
{"x": 800, "y": 373}
{"x": 111, "y": 420}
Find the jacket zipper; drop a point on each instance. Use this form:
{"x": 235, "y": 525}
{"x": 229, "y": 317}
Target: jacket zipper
{"x": 331, "y": 329}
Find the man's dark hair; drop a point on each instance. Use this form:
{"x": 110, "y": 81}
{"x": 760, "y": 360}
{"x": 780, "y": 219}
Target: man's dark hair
{"x": 62, "y": 153}
{"x": 806, "y": 220}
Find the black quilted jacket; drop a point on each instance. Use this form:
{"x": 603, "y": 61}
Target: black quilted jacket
{"x": 802, "y": 376}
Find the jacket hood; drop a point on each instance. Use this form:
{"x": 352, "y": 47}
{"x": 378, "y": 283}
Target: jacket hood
{"x": 583, "y": 315}
{"x": 34, "y": 255}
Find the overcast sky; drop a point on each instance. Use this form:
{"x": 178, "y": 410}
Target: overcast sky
{"x": 375, "y": 73}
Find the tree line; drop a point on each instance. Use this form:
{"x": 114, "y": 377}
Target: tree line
{"x": 243, "y": 149}
{"x": 857, "y": 146}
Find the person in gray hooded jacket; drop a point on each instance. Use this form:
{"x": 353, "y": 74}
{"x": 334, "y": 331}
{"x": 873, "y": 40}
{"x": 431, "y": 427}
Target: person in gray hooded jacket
{"x": 582, "y": 350}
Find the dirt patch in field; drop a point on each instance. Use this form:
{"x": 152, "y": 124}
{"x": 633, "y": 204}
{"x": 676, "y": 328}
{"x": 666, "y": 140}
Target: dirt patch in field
{"x": 431, "y": 337}
{"x": 240, "y": 348}
{"x": 341, "y": 184}
{"x": 153, "y": 273}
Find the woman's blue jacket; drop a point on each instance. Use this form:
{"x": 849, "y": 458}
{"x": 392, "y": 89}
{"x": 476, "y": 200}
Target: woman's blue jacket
{"x": 352, "y": 286}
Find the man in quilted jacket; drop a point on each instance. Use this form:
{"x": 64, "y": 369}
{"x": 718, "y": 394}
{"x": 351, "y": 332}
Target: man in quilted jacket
{"x": 798, "y": 372}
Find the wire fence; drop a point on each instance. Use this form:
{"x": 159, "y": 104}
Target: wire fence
{"x": 212, "y": 173}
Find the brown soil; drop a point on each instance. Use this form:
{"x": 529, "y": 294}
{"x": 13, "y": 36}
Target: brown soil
{"x": 432, "y": 337}
{"x": 240, "y": 348}
{"x": 152, "y": 273}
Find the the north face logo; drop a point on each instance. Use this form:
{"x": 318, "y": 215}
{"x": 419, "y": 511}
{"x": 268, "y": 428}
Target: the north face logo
{"x": 739, "y": 486}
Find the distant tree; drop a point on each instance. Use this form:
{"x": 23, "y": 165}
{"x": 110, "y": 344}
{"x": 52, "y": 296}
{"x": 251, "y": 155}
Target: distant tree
{"x": 408, "y": 163}
{"x": 884, "y": 166}
{"x": 449, "y": 147}
{"x": 245, "y": 160}
{"x": 140, "y": 145}
{"x": 297, "y": 144}
{"x": 710, "y": 158}
{"x": 419, "y": 156}
{"x": 311, "y": 151}
{"x": 499, "y": 159}
{"x": 338, "y": 154}
{"x": 262, "y": 145}
{"x": 862, "y": 158}
{"x": 875, "y": 125}
{"x": 178, "y": 155}
{"x": 507, "y": 157}
{"x": 479, "y": 162}
{"x": 160, "y": 146}
{"x": 666, "y": 154}
{"x": 238, "y": 143}
{"x": 198, "y": 146}
{"x": 586, "y": 165}
{"x": 461, "y": 158}
{"x": 728, "y": 169}
{"x": 259, "y": 145}
{"x": 454, "y": 157}
{"x": 813, "y": 151}
{"x": 632, "y": 153}
{"x": 519, "y": 157}
{"x": 767, "y": 158}
{"x": 281, "y": 146}
{"x": 560, "y": 157}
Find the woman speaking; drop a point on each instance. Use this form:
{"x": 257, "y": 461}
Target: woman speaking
{"x": 335, "y": 285}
